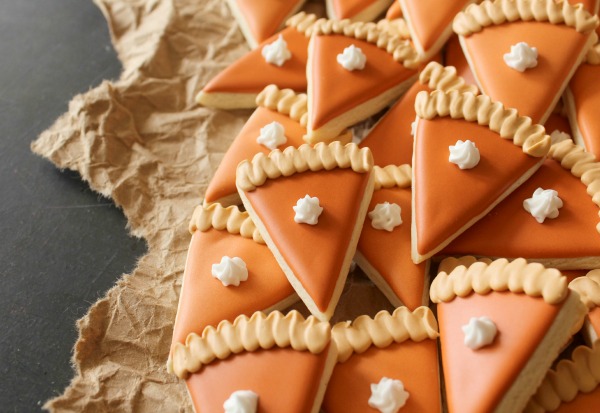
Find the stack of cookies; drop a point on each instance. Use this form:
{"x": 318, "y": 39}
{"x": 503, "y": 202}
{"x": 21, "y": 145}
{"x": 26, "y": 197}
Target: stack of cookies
{"x": 472, "y": 203}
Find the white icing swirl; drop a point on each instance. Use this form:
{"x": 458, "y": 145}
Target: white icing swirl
{"x": 388, "y": 396}
{"x": 386, "y": 216}
{"x": 230, "y": 271}
{"x": 464, "y": 154}
{"x": 307, "y": 210}
{"x": 272, "y": 135}
{"x": 559, "y": 136}
{"x": 352, "y": 58}
{"x": 543, "y": 204}
{"x": 241, "y": 401}
{"x": 276, "y": 53}
{"x": 521, "y": 57}
{"x": 480, "y": 332}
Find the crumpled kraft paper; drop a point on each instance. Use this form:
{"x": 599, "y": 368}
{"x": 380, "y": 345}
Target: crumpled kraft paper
{"x": 143, "y": 142}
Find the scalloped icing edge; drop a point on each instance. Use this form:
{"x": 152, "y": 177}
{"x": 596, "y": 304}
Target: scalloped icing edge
{"x": 516, "y": 276}
{"x": 483, "y": 110}
{"x": 579, "y": 374}
{"x": 478, "y": 16}
{"x": 395, "y": 27}
{"x": 588, "y": 288}
{"x": 285, "y": 101}
{"x": 253, "y": 333}
{"x": 445, "y": 78}
{"x": 221, "y": 218}
{"x": 393, "y": 176}
{"x": 383, "y": 330}
{"x": 253, "y": 173}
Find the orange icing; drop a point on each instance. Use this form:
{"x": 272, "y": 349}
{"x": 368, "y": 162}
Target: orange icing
{"x": 585, "y": 89}
{"x": 559, "y": 123}
{"x": 250, "y": 73}
{"x": 572, "y": 234}
{"x": 291, "y": 389}
{"x": 245, "y": 147}
{"x": 265, "y": 17}
{"x": 314, "y": 253}
{"x": 415, "y": 364}
{"x": 470, "y": 384}
{"x": 206, "y": 301}
{"x": 594, "y": 317}
{"x": 559, "y": 47}
{"x": 389, "y": 252}
{"x": 346, "y": 9}
{"x": 394, "y": 12}
{"x": 330, "y": 99}
{"x": 455, "y": 57}
{"x": 583, "y": 403}
{"x": 446, "y": 197}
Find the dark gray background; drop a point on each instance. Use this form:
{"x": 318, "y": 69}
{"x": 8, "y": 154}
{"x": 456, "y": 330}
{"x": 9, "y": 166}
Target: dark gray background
{"x": 62, "y": 245}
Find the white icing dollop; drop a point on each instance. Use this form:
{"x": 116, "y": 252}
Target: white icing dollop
{"x": 559, "y": 136}
{"x": 352, "y": 58}
{"x": 386, "y": 216}
{"x": 464, "y": 154}
{"x": 388, "y": 396}
{"x": 521, "y": 57}
{"x": 230, "y": 271}
{"x": 276, "y": 53}
{"x": 543, "y": 204}
{"x": 241, "y": 401}
{"x": 480, "y": 332}
{"x": 272, "y": 135}
{"x": 307, "y": 210}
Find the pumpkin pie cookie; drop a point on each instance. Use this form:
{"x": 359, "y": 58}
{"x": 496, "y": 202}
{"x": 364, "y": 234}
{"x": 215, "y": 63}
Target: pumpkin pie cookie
{"x": 455, "y": 57}
{"x": 491, "y": 362}
{"x": 391, "y": 139}
{"x": 394, "y": 12}
{"x": 573, "y": 386}
{"x": 588, "y": 288}
{"x": 469, "y": 154}
{"x": 356, "y": 10}
{"x": 532, "y": 45}
{"x": 386, "y": 363}
{"x": 263, "y": 364}
{"x": 309, "y": 204}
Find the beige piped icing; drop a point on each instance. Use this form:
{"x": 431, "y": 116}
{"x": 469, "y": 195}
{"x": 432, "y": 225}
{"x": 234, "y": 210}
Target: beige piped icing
{"x": 254, "y": 173}
{"x": 230, "y": 219}
{"x": 581, "y": 164}
{"x": 392, "y": 176}
{"x": 303, "y": 22}
{"x": 445, "y": 78}
{"x": 588, "y": 288}
{"x": 477, "y": 16}
{"x": 481, "y": 109}
{"x": 395, "y": 27}
{"x": 593, "y": 55}
{"x": 260, "y": 331}
{"x": 383, "y": 330}
{"x": 500, "y": 275}
{"x": 286, "y": 102}
{"x": 580, "y": 374}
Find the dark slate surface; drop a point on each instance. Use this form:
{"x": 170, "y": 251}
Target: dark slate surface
{"x": 62, "y": 245}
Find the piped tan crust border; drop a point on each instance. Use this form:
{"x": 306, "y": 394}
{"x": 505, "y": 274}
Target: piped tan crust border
{"x": 516, "y": 276}
{"x": 392, "y": 176}
{"x": 580, "y": 374}
{"x": 582, "y": 164}
{"x": 383, "y": 330}
{"x": 445, "y": 78}
{"x": 395, "y": 27}
{"x": 481, "y": 109}
{"x": 285, "y": 101}
{"x": 588, "y": 288}
{"x": 254, "y": 173}
{"x": 260, "y": 331}
{"x": 230, "y": 219}
{"x": 488, "y": 13}
{"x": 401, "y": 49}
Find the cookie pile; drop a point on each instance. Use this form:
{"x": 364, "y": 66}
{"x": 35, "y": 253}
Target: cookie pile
{"x": 474, "y": 195}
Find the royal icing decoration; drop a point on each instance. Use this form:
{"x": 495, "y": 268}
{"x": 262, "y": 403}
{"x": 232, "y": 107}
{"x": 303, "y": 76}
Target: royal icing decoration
{"x": 352, "y": 58}
{"x": 241, "y": 401}
{"x": 307, "y": 210}
{"x": 277, "y": 53}
{"x": 272, "y": 135}
{"x": 413, "y": 128}
{"x": 521, "y": 57}
{"x": 388, "y": 396}
{"x": 386, "y": 216}
{"x": 558, "y": 136}
{"x": 543, "y": 204}
{"x": 480, "y": 332}
{"x": 464, "y": 154}
{"x": 230, "y": 271}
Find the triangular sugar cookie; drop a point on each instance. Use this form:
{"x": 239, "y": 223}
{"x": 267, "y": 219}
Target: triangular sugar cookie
{"x": 491, "y": 362}
{"x": 494, "y": 150}
{"x": 534, "y": 46}
{"x": 356, "y": 10}
{"x": 311, "y": 228}
{"x": 588, "y": 288}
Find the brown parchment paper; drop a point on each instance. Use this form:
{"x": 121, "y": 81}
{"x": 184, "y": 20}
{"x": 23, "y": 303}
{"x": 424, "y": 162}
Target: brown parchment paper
{"x": 143, "y": 142}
